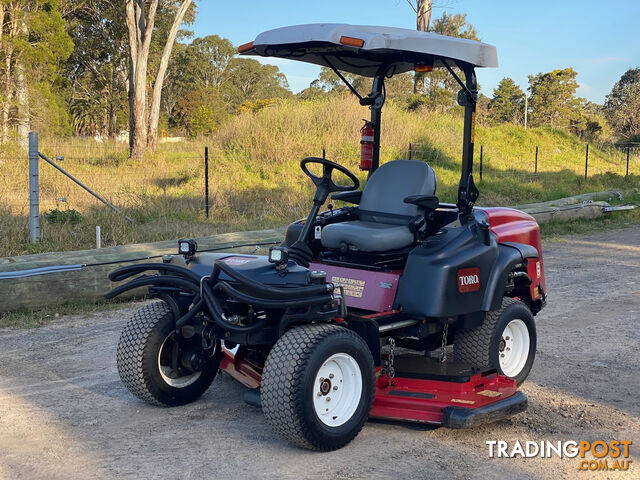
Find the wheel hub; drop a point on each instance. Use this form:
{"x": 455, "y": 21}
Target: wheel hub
{"x": 337, "y": 389}
{"x": 325, "y": 386}
{"x": 179, "y": 374}
{"x": 514, "y": 348}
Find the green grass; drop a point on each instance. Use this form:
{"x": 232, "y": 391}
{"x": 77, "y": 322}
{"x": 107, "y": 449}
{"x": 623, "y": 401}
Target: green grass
{"x": 25, "y": 318}
{"x": 256, "y": 182}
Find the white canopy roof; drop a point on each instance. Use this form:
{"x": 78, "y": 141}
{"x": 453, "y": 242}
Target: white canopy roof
{"x": 363, "y": 49}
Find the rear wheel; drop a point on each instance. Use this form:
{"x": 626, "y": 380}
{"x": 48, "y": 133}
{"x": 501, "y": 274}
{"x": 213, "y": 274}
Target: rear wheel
{"x": 506, "y": 341}
{"x": 318, "y": 385}
{"x": 160, "y": 367}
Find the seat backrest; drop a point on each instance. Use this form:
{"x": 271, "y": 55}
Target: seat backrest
{"x": 390, "y": 184}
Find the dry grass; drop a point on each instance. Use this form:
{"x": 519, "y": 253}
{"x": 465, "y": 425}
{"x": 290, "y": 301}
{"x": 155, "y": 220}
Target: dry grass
{"x": 255, "y": 180}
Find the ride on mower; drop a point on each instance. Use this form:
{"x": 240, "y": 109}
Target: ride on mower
{"x": 395, "y": 306}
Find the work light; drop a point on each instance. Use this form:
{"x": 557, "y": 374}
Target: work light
{"x": 188, "y": 247}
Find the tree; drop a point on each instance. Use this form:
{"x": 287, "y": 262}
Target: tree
{"x": 209, "y": 57}
{"x": 451, "y": 26}
{"x": 97, "y": 68}
{"x": 596, "y": 126}
{"x": 329, "y": 82}
{"x": 249, "y": 80}
{"x": 422, "y": 9}
{"x": 552, "y": 100}
{"x": 33, "y": 43}
{"x": 200, "y": 112}
{"x": 399, "y": 87}
{"x": 622, "y": 105}
{"x": 201, "y": 64}
{"x": 144, "y": 117}
{"x": 507, "y": 102}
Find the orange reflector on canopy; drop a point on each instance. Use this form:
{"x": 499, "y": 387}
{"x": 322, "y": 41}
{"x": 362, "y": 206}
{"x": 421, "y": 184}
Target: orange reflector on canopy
{"x": 423, "y": 68}
{"x": 351, "y": 41}
{"x": 245, "y": 47}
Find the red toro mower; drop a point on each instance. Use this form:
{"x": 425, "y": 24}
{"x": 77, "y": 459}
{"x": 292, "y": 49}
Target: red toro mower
{"x": 395, "y": 306}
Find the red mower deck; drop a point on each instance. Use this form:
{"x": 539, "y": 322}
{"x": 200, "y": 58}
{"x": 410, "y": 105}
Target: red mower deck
{"x": 449, "y": 395}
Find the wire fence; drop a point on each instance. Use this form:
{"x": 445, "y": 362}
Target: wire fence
{"x": 622, "y": 160}
{"x": 78, "y": 175}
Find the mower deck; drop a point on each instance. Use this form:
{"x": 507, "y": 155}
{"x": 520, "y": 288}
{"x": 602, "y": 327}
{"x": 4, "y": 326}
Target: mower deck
{"x": 451, "y": 394}
{"x": 424, "y": 390}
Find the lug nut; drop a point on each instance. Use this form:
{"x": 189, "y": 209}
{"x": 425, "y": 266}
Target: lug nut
{"x": 335, "y": 387}
{"x": 502, "y": 355}
{"x": 331, "y": 375}
{"x": 319, "y": 394}
{"x": 321, "y": 380}
{"x": 328, "y": 399}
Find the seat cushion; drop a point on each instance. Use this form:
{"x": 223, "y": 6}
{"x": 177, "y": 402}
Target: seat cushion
{"x": 367, "y": 236}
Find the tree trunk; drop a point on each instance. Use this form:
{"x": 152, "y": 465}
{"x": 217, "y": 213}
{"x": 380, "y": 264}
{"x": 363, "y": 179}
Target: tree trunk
{"x": 423, "y": 18}
{"x": 140, "y": 31}
{"x": 154, "y": 114}
{"x": 8, "y": 92}
{"x": 22, "y": 94}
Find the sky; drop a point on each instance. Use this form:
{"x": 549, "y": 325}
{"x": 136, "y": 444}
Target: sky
{"x": 599, "y": 39}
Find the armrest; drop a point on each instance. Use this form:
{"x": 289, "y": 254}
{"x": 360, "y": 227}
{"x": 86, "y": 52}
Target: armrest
{"x": 428, "y": 202}
{"x": 349, "y": 197}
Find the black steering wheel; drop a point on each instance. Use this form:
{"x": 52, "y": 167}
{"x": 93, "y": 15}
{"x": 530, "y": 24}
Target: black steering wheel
{"x": 326, "y": 182}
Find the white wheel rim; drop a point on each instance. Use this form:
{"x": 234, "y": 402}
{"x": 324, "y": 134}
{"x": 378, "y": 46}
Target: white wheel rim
{"x": 337, "y": 389}
{"x": 170, "y": 376}
{"x": 513, "y": 350}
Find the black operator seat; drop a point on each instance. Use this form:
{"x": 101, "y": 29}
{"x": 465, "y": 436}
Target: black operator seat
{"x": 384, "y": 193}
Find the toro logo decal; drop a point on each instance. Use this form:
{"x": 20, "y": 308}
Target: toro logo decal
{"x": 468, "y": 280}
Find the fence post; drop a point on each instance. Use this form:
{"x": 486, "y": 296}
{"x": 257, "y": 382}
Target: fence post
{"x": 410, "y": 151}
{"x": 206, "y": 182}
{"x": 586, "y": 162}
{"x": 481, "y": 161}
{"x": 627, "y": 161}
{"x": 535, "y": 171}
{"x": 34, "y": 189}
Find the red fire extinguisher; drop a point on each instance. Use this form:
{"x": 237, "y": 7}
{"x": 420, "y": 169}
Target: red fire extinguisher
{"x": 366, "y": 146}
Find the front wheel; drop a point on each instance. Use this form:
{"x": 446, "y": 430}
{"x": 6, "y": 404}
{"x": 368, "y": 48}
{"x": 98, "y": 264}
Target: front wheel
{"x": 160, "y": 367}
{"x": 506, "y": 341}
{"x": 318, "y": 386}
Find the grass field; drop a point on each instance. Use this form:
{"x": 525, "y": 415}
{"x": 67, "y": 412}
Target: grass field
{"x": 256, "y": 182}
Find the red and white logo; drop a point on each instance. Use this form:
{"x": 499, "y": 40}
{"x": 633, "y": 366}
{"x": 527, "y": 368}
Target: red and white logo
{"x": 468, "y": 280}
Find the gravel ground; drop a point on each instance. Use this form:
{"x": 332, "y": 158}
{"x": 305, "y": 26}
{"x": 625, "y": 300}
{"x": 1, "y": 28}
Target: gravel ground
{"x": 65, "y": 414}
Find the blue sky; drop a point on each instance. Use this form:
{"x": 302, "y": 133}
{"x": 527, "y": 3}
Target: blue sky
{"x": 599, "y": 39}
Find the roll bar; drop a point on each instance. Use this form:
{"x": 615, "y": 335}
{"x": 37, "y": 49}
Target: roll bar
{"x": 467, "y": 97}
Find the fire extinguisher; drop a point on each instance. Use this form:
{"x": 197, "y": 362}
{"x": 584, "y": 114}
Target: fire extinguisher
{"x": 366, "y": 146}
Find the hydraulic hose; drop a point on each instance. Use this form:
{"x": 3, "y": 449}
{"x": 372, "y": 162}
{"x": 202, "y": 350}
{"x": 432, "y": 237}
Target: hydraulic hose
{"x": 268, "y": 291}
{"x": 150, "y": 280}
{"x": 216, "y": 315}
{"x": 269, "y": 303}
{"x": 197, "y": 308}
{"x": 130, "y": 270}
{"x": 187, "y": 280}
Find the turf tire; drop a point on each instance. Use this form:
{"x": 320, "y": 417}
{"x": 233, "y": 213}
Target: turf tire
{"x": 288, "y": 381}
{"x": 137, "y": 359}
{"x": 480, "y": 346}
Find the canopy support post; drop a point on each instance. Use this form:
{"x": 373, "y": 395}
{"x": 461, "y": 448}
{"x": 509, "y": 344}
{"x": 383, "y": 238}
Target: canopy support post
{"x": 376, "y": 101}
{"x": 467, "y": 97}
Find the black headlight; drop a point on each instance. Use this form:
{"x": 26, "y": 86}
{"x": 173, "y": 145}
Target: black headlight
{"x": 187, "y": 248}
{"x": 279, "y": 256}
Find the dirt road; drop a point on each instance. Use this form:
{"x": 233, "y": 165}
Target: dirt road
{"x": 65, "y": 414}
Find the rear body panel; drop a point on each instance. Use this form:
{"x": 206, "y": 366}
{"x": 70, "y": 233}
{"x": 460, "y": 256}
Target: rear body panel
{"x": 511, "y": 225}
